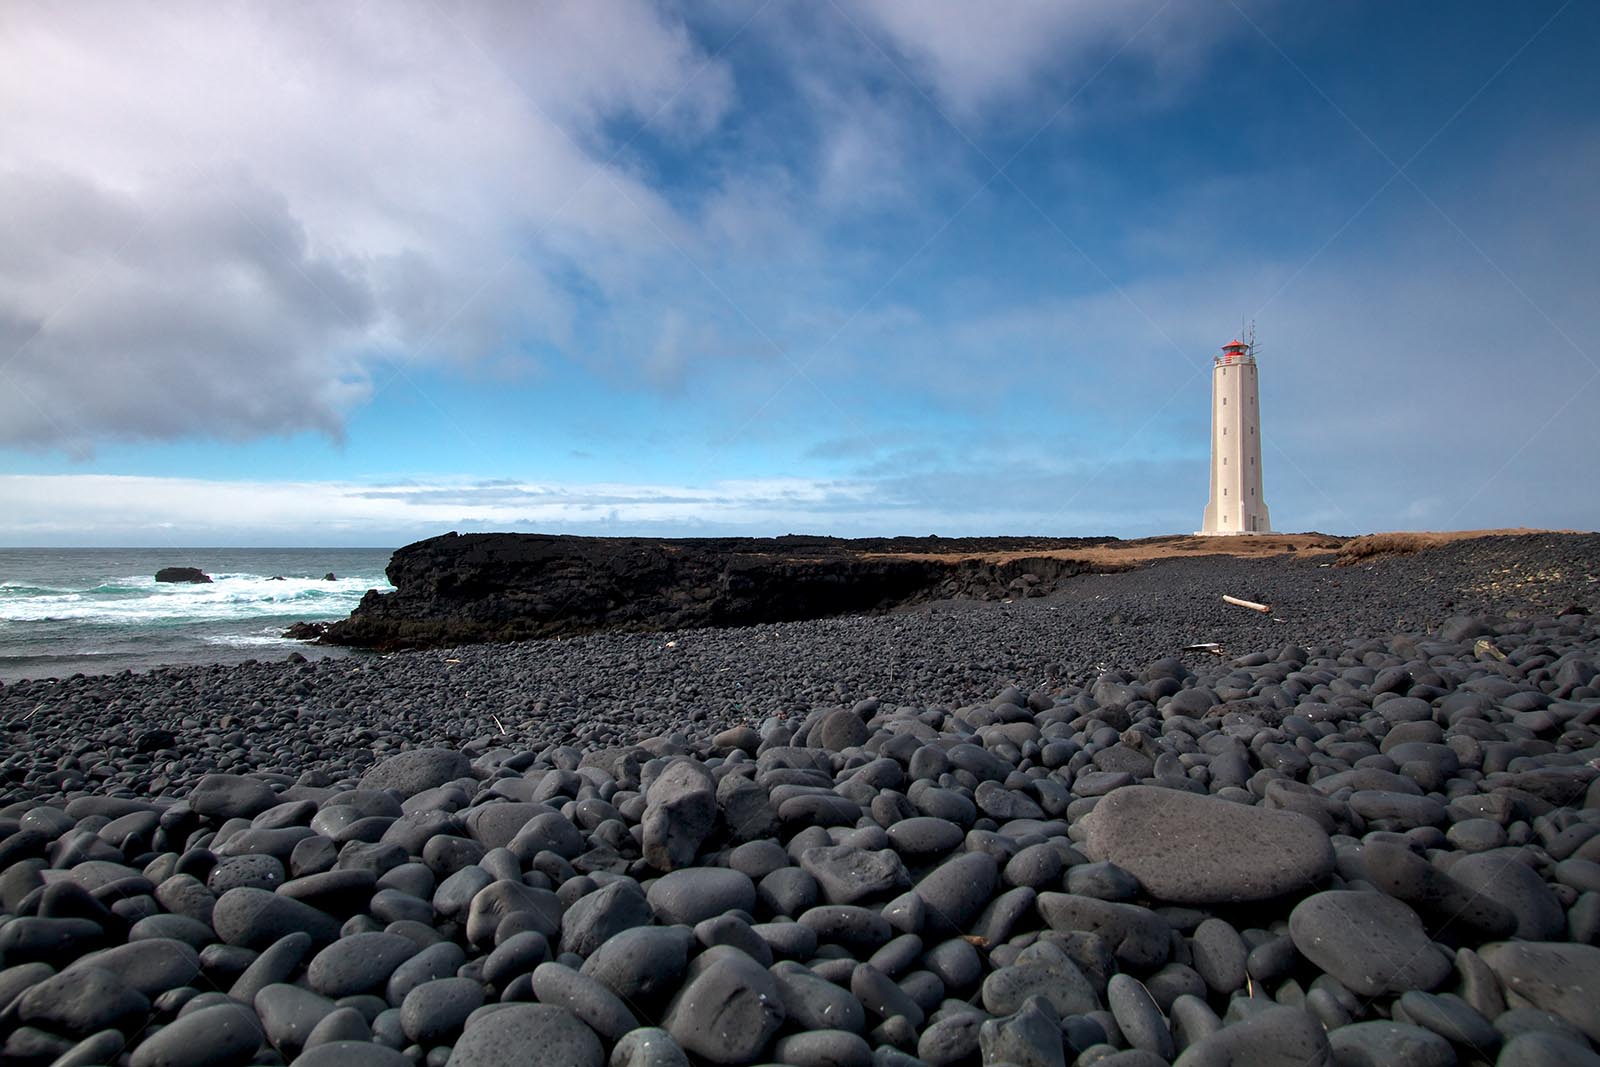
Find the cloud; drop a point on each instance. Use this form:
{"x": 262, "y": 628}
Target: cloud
{"x": 57, "y": 509}
{"x": 975, "y": 56}
{"x": 221, "y": 220}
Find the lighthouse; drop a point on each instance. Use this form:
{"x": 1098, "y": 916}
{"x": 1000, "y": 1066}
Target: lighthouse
{"x": 1236, "y": 505}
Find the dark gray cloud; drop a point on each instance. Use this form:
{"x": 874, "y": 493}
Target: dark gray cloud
{"x": 194, "y": 309}
{"x": 229, "y": 222}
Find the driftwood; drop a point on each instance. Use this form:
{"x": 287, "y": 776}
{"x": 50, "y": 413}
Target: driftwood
{"x": 1251, "y": 604}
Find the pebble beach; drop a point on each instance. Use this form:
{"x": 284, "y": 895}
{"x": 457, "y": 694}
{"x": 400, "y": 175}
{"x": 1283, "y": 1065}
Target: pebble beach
{"x": 1126, "y": 824}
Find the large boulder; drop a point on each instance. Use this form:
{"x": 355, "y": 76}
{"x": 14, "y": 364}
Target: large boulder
{"x": 193, "y": 575}
{"x": 1186, "y": 848}
{"x": 418, "y": 770}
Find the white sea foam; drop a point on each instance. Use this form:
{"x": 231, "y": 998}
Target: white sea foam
{"x": 141, "y": 599}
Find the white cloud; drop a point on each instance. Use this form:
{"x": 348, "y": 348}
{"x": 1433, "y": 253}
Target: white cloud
{"x": 974, "y": 56}
{"x": 58, "y": 509}
{"x": 219, "y": 215}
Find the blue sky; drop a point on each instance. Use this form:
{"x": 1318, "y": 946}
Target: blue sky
{"x": 308, "y": 275}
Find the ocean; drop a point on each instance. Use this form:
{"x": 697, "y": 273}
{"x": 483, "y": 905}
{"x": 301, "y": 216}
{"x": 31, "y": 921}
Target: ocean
{"x": 65, "y": 611}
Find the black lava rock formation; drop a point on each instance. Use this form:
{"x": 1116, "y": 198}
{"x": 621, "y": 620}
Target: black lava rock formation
{"x": 183, "y": 574}
{"x": 465, "y": 589}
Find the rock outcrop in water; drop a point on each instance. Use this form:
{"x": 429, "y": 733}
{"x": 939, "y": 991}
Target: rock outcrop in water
{"x": 472, "y": 588}
{"x": 193, "y": 575}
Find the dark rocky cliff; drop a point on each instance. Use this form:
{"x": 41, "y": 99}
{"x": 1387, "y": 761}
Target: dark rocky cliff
{"x": 469, "y": 588}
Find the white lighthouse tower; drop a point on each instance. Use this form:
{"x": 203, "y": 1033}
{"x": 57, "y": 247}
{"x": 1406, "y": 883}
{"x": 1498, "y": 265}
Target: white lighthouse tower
{"x": 1236, "y": 505}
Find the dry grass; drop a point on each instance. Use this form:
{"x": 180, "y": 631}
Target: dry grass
{"x": 1174, "y": 546}
{"x": 1405, "y": 543}
{"x": 1346, "y": 551}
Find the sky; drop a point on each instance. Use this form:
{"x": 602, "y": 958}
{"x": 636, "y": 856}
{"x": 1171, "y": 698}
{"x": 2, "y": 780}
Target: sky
{"x": 361, "y": 273}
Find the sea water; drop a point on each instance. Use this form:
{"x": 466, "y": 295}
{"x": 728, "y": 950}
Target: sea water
{"x": 98, "y": 611}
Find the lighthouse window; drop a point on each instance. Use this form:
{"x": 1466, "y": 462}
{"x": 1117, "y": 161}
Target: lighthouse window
{"x": 1224, "y": 461}
{"x": 1224, "y": 431}
{"x": 1224, "y": 401}
{"x": 1224, "y": 492}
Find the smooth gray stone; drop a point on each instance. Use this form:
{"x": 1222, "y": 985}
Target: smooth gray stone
{"x": 514, "y": 1035}
{"x": 788, "y": 939}
{"x": 256, "y": 919}
{"x": 1544, "y": 1049}
{"x": 358, "y": 964}
{"x": 955, "y": 962}
{"x": 824, "y": 1048}
{"x": 601, "y": 915}
{"x": 788, "y": 891}
{"x": 881, "y": 996}
{"x": 1397, "y": 810}
{"x": 218, "y": 1036}
{"x": 1140, "y": 939}
{"x": 454, "y": 895}
{"x": 898, "y": 956}
{"x": 418, "y": 769}
{"x": 924, "y": 836}
{"x": 230, "y": 796}
{"x": 680, "y": 814}
{"x": 957, "y": 891}
{"x": 727, "y": 1010}
{"x": 436, "y": 961}
{"x": 1192, "y": 1021}
{"x": 1187, "y": 848}
{"x": 340, "y": 1025}
{"x": 952, "y": 1040}
{"x": 1219, "y": 956}
{"x": 1272, "y": 1037}
{"x": 254, "y": 871}
{"x": 436, "y": 1010}
{"x": 1029, "y": 1038}
{"x": 598, "y": 1007}
{"x": 731, "y": 929}
{"x": 1138, "y": 1016}
{"x": 695, "y": 893}
{"x": 1406, "y": 876}
{"x": 1102, "y": 881}
{"x": 540, "y": 908}
{"x": 83, "y": 1001}
{"x": 1036, "y": 866}
{"x": 1051, "y": 975}
{"x": 848, "y": 924}
{"x": 1506, "y": 880}
{"x": 1371, "y": 942}
{"x": 151, "y": 967}
{"x": 1557, "y": 977}
{"x": 289, "y": 1013}
{"x": 1388, "y": 1044}
{"x": 1517, "y": 1021}
{"x": 648, "y": 1046}
{"x": 642, "y": 962}
{"x": 14, "y": 981}
{"x": 813, "y": 1003}
{"x": 1448, "y": 1016}
{"x": 849, "y": 875}
{"x": 102, "y": 1047}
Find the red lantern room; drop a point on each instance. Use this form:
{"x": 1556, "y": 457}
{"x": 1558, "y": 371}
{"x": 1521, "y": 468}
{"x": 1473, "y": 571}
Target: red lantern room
{"x": 1235, "y": 351}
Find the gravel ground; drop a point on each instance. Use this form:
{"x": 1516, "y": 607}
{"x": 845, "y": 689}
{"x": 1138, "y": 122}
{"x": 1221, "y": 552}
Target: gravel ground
{"x": 336, "y": 715}
{"x": 1026, "y": 833}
